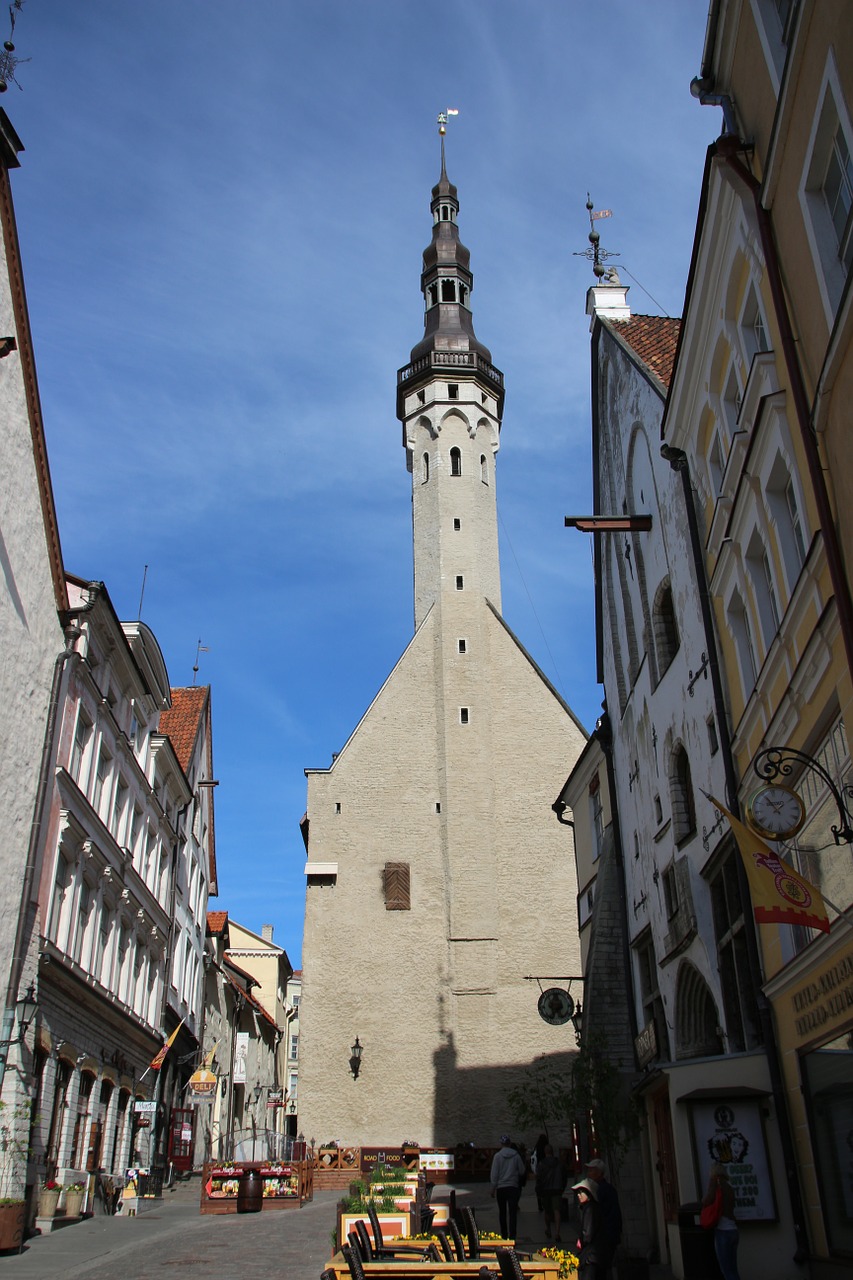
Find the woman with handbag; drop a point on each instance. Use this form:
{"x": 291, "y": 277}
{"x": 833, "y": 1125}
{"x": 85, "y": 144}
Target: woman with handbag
{"x": 718, "y": 1211}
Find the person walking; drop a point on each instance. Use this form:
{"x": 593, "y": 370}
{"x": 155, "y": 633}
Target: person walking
{"x": 507, "y": 1178}
{"x": 550, "y": 1182}
{"x": 593, "y": 1245}
{"x": 608, "y": 1202}
{"x": 726, "y": 1234}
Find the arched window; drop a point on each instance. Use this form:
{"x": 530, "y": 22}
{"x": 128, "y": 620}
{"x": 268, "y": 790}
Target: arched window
{"x": 484, "y": 469}
{"x": 696, "y": 1017}
{"x": 448, "y": 291}
{"x": 681, "y": 795}
{"x": 455, "y": 462}
{"x": 432, "y": 295}
{"x": 426, "y": 468}
{"x": 665, "y": 627}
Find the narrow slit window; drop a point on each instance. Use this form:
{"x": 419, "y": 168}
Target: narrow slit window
{"x": 455, "y": 461}
{"x": 426, "y": 468}
{"x": 463, "y": 646}
{"x": 463, "y": 715}
{"x": 460, "y": 585}
{"x": 453, "y": 390}
{"x": 484, "y": 470}
{"x": 457, "y": 524}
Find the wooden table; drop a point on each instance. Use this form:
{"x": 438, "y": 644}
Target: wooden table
{"x": 413, "y": 1269}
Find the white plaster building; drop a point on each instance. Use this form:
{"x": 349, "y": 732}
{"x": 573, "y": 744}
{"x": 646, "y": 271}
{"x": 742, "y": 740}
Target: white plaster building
{"x": 291, "y": 1079}
{"x": 268, "y": 964}
{"x": 187, "y": 722}
{"x": 242, "y": 1038}
{"x": 433, "y": 851}
{"x": 33, "y": 612}
{"x": 695, "y": 980}
{"x": 105, "y": 896}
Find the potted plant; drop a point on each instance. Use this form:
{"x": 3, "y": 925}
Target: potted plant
{"x": 14, "y": 1131}
{"x": 48, "y": 1197}
{"x": 75, "y": 1194}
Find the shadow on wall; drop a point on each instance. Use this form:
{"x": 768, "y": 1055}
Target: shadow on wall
{"x": 470, "y": 1102}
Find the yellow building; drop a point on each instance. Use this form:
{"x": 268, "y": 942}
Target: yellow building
{"x": 759, "y": 402}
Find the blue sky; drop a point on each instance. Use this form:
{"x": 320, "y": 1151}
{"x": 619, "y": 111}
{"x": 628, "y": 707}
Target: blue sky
{"x": 222, "y": 210}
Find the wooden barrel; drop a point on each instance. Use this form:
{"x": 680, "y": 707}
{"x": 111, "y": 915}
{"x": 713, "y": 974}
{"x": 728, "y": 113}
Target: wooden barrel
{"x": 250, "y": 1193}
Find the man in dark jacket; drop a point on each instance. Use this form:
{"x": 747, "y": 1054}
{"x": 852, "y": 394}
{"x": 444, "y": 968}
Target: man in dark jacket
{"x": 608, "y": 1203}
{"x": 507, "y": 1178}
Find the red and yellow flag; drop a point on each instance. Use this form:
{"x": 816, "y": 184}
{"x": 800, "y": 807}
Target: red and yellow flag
{"x": 157, "y": 1061}
{"x": 780, "y": 895}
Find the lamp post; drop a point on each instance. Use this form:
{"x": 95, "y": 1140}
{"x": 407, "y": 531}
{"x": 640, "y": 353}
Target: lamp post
{"x": 25, "y": 1007}
{"x": 355, "y": 1059}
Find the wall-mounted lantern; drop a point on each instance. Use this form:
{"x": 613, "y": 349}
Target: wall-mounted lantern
{"x": 355, "y": 1059}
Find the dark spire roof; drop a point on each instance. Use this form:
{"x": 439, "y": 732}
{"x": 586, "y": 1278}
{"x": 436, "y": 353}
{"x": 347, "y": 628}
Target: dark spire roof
{"x": 446, "y": 281}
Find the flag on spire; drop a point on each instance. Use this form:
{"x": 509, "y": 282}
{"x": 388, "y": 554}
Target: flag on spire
{"x": 780, "y": 895}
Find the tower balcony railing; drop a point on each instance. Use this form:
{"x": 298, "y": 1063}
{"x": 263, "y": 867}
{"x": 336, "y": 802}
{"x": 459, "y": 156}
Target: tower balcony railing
{"x": 471, "y": 360}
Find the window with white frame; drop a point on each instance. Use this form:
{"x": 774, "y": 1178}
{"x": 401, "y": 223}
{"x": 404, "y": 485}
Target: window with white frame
{"x": 826, "y": 190}
{"x": 82, "y": 738}
{"x": 761, "y": 573}
{"x": 738, "y": 621}
{"x": 753, "y": 326}
{"x": 731, "y": 402}
{"x": 716, "y": 463}
{"x": 785, "y": 511}
{"x": 119, "y": 804}
{"x": 102, "y": 773}
{"x": 61, "y": 893}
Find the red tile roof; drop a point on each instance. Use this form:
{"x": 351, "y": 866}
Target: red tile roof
{"x": 181, "y": 721}
{"x": 217, "y": 921}
{"x": 654, "y": 339}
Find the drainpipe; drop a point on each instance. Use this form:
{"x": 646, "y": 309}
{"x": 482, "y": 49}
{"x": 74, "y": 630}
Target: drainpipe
{"x": 678, "y": 460}
{"x": 72, "y": 633}
{"x": 727, "y": 151}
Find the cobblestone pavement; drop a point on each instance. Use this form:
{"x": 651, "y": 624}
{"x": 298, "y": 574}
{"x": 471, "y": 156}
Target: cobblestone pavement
{"x": 174, "y": 1238}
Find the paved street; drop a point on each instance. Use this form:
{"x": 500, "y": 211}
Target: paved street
{"x": 285, "y": 1245}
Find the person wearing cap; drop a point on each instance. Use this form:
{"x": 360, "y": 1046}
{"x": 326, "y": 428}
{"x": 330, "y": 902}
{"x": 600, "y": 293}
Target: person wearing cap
{"x": 726, "y": 1234}
{"x": 608, "y": 1203}
{"x": 507, "y": 1178}
{"x": 593, "y": 1246}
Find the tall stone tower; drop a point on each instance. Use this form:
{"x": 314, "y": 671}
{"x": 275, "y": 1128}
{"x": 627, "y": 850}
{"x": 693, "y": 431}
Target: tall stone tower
{"x": 437, "y": 874}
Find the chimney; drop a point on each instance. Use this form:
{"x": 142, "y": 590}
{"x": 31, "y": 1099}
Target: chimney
{"x": 267, "y": 932}
{"x": 608, "y": 300}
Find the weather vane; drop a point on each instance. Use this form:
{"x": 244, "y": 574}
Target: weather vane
{"x": 595, "y": 254}
{"x": 442, "y": 128}
{"x": 8, "y": 61}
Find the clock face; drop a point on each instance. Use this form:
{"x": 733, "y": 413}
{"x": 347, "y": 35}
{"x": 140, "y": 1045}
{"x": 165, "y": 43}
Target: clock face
{"x": 556, "y": 1006}
{"x": 776, "y": 811}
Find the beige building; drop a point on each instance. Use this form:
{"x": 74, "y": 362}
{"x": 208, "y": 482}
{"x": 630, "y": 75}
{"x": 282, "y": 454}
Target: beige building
{"x": 759, "y": 402}
{"x": 434, "y": 857}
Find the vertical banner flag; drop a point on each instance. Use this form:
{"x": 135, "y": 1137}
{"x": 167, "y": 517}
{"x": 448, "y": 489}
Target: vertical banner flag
{"x": 780, "y": 895}
{"x": 156, "y": 1062}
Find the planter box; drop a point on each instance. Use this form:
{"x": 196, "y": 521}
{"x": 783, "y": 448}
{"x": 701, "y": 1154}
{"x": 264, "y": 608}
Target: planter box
{"x": 392, "y": 1224}
{"x": 12, "y": 1226}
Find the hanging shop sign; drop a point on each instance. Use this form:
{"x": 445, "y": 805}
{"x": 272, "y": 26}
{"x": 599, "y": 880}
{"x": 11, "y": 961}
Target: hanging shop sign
{"x": 555, "y": 1006}
{"x": 729, "y": 1131}
{"x": 142, "y": 1105}
{"x": 241, "y": 1053}
{"x": 201, "y": 1088}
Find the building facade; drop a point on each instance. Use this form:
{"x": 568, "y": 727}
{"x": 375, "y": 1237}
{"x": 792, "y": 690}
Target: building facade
{"x": 105, "y": 898}
{"x": 432, "y": 846}
{"x": 758, "y": 404}
{"x": 187, "y": 723}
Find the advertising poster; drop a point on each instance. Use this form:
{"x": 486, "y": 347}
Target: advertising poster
{"x": 241, "y": 1052}
{"x": 729, "y": 1131}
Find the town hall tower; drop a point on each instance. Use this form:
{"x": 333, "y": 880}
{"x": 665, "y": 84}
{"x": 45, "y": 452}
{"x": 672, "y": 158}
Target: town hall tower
{"x": 438, "y": 876}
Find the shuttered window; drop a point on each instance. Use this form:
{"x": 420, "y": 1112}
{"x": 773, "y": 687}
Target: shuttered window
{"x": 397, "y": 886}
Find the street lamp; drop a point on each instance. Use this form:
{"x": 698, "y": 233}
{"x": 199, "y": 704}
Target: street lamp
{"x": 259, "y": 1088}
{"x": 355, "y": 1059}
{"x": 577, "y": 1021}
{"x": 25, "y": 1007}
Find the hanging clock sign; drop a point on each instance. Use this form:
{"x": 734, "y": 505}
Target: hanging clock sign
{"x": 555, "y": 1006}
{"x": 776, "y": 812}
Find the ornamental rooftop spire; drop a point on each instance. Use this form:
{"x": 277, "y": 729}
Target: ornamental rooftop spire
{"x": 447, "y": 284}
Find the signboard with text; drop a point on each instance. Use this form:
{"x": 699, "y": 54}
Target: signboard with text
{"x": 729, "y": 1131}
